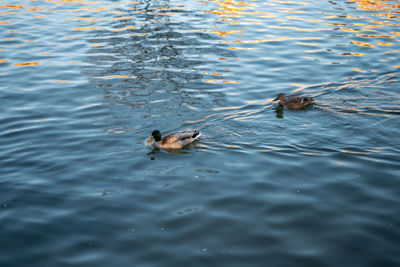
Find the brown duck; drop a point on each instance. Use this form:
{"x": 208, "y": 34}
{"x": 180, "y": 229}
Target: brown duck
{"x": 297, "y": 102}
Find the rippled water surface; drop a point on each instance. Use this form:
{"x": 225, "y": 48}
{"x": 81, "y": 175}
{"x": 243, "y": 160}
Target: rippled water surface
{"x": 83, "y": 84}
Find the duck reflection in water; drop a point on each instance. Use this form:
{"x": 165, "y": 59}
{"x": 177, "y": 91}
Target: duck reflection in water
{"x": 279, "y": 111}
{"x": 156, "y": 149}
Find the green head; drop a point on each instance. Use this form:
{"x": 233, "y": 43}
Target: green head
{"x": 155, "y": 135}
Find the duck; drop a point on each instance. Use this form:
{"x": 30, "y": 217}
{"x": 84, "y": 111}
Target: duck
{"x": 174, "y": 140}
{"x": 297, "y": 102}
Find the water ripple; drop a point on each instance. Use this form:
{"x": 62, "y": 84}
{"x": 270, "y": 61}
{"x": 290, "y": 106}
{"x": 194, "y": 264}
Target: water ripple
{"x": 83, "y": 84}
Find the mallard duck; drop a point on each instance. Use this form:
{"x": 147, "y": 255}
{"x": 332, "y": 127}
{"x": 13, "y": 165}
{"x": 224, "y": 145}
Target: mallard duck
{"x": 175, "y": 140}
{"x": 297, "y": 102}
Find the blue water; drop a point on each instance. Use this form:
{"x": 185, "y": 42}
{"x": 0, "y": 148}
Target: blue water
{"x": 83, "y": 84}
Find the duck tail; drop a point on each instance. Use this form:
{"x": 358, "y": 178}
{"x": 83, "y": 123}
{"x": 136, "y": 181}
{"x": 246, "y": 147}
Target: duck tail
{"x": 195, "y": 134}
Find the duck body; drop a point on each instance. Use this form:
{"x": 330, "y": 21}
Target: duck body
{"x": 173, "y": 141}
{"x": 297, "y": 102}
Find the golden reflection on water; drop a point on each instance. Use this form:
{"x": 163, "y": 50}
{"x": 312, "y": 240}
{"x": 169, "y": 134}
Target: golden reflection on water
{"x": 386, "y": 7}
{"x": 362, "y": 44}
{"x": 27, "y": 64}
{"x": 363, "y": 71}
{"x": 12, "y": 6}
{"x": 243, "y": 27}
{"x": 234, "y": 13}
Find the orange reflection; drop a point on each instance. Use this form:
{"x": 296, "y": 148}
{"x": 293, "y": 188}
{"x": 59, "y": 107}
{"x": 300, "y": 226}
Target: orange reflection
{"x": 376, "y": 35}
{"x": 190, "y": 31}
{"x": 165, "y": 14}
{"x": 80, "y": 9}
{"x": 297, "y": 18}
{"x": 223, "y": 34}
{"x": 242, "y": 48}
{"x": 8, "y": 13}
{"x": 378, "y": 5}
{"x": 244, "y": 23}
{"x": 353, "y": 54}
{"x": 384, "y": 44}
{"x": 300, "y": 29}
{"x": 225, "y": 81}
{"x": 86, "y": 19}
{"x": 27, "y": 64}
{"x": 86, "y": 28}
{"x": 36, "y": 9}
{"x": 349, "y": 30}
{"x": 100, "y": 19}
{"x": 372, "y": 26}
{"x": 12, "y": 6}
{"x": 357, "y": 69}
{"x": 123, "y": 29}
{"x": 362, "y": 44}
{"x": 73, "y": 2}
{"x": 310, "y": 44}
{"x": 277, "y": 39}
{"x": 230, "y": 8}
{"x": 70, "y": 37}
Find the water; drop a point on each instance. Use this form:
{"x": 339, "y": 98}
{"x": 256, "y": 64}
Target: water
{"x": 83, "y": 84}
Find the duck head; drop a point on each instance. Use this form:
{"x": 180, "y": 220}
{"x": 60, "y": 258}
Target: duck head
{"x": 280, "y": 97}
{"x": 155, "y": 135}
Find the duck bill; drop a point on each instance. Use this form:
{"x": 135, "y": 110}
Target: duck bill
{"x": 150, "y": 139}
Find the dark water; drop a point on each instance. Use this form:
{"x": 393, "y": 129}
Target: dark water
{"x": 83, "y": 84}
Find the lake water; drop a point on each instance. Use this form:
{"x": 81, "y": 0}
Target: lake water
{"x": 83, "y": 84}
